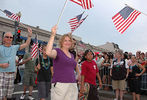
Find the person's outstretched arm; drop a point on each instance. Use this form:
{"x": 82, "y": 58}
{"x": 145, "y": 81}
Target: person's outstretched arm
{"x": 49, "y": 50}
{"x": 27, "y": 43}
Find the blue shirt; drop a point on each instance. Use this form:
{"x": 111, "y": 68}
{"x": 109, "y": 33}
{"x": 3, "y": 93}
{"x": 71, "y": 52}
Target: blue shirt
{"x": 8, "y": 55}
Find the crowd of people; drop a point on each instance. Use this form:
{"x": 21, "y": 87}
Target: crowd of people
{"x": 64, "y": 74}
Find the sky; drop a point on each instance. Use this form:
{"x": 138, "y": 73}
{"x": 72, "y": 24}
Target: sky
{"x": 97, "y": 29}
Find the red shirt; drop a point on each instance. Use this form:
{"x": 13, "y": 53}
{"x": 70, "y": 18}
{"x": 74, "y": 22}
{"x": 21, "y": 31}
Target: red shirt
{"x": 89, "y": 70}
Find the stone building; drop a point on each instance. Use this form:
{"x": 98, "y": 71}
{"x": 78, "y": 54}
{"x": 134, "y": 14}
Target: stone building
{"x": 7, "y": 25}
{"x": 109, "y": 46}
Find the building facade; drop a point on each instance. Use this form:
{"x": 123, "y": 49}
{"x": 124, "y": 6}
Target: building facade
{"x": 7, "y": 25}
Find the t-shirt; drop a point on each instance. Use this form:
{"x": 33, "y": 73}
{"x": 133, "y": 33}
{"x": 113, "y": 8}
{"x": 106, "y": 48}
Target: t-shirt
{"x": 21, "y": 67}
{"x": 44, "y": 74}
{"x": 119, "y": 69}
{"x": 99, "y": 61}
{"x": 120, "y": 63}
{"x": 30, "y": 65}
{"x": 63, "y": 68}
{"x": 89, "y": 70}
{"x": 8, "y": 55}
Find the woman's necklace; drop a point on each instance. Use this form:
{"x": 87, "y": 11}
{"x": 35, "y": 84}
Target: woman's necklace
{"x": 45, "y": 65}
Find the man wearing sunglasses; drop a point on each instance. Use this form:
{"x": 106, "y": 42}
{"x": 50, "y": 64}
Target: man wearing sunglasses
{"x": 7, "y": 64}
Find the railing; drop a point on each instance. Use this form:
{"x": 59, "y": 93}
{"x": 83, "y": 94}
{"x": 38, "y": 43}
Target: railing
{"x": 107, "y": 81}
{"x": 144, "y": 82}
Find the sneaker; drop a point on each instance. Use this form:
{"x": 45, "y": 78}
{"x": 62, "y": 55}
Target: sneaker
{"x": 19, "y": 83}
{"x": 22, "y": 97}
{"x": 30, "y": 98}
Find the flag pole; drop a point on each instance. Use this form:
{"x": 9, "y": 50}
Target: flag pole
{"x": 1, "y": 10}
{"x": 135, "y": 9}
{"x": 61, "y": 12}
{"x": 37, "y": 49}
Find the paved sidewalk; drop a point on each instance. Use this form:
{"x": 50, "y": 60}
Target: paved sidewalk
{"x": 109, "y": 95}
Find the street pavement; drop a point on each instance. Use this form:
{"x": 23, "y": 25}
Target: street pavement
{"x": 18, "y": 91}
{"x": 103, "y": 95}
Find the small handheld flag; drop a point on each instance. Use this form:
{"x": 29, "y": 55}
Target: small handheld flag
{"x": 123, "y": 19}
{"x": 86, "y": 4}
{"x": 34, "y": 52}
{"x": 81, "y": 21}
{"x": 76, "y": 22}
{"x": 12, "y": 15}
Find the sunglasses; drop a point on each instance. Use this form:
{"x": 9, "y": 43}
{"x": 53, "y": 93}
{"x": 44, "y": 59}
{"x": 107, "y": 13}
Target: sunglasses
{"x": 9, "y": 37}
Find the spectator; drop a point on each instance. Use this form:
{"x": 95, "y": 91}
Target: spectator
{"x": 88, "y": 81}
{"x": 134, "y": 78}
{"x": 29, "y": 75}
{"x": 72, "y": 49}
{"x": 21, "y": 68}
{"x": 99, "y": 60}
{"x": 119, "y": 72}
{"x": 44, "y": 67}
{"x": 138, "y": 55}
{"x": 106, "y": 67}
{"x": 7, "y": 64}
{"x": 146, "y": 55}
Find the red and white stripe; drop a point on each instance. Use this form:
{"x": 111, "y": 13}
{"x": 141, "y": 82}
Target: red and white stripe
{"x": 14, "y": 17}
{"x": 86, "y": 4}
{"x": 73, "y": 23}
{"x": 34, "y": 50}
{"x": 77, "y": 2}
{"x": 122, "y": 24}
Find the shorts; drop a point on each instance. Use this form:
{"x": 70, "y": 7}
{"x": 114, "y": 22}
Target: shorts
{"x": 29, "y": 79}
{"x": 44, "y": 89}
{"x": 6, "y": 84}
{"x": 64, "y": 91}
{"x": 119, "y": 84}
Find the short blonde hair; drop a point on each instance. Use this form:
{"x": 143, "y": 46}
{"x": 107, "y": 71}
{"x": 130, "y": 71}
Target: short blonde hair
{"x": 62, "y": 39}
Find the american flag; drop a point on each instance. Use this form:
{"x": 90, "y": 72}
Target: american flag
{"x": 123, "y": 19}
{"x": 76, "y": 22}
{"x": 81, "y": 21}
{"x": 34, "y": 52}
{"x": 86, "y": 4}
{"x": 12, "y": 15}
